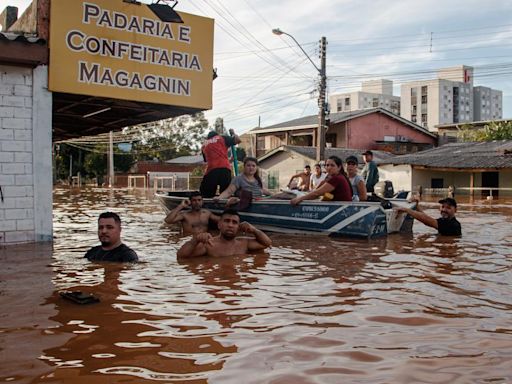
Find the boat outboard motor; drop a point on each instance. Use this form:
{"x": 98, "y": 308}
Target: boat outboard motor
{"x": 384, "y": 189}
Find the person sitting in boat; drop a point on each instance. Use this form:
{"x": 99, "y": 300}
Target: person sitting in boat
{"x": 317, "y": 177}
{"x": 196, "y": 219}
{"x": 226, "y": 243}
{"x": 304, "y": 179}
{"x": 356, "y": 181}
{"x": 336, "y": 186}
{"x": 446, "y": 225}
{"x": 249, "y": 180}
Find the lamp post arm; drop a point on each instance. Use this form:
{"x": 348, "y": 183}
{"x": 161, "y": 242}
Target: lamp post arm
{"x": 302, "y": 49}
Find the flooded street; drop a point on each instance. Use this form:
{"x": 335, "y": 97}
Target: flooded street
{"x": 403, "y": 309}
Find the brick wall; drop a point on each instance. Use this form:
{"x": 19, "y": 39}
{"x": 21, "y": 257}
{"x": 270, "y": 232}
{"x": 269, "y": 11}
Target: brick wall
{"x": 16, "y": 171}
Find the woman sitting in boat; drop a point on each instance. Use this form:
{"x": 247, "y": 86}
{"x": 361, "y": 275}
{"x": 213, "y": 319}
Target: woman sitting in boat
{"x": 249, "y": 180}
{"x": 336, "y": 186}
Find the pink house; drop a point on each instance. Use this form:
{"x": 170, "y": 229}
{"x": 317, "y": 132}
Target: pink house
{"x": 375, "y": 128}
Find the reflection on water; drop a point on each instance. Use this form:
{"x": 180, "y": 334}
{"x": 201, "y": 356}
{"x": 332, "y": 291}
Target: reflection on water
{"x": 402, "y": 309}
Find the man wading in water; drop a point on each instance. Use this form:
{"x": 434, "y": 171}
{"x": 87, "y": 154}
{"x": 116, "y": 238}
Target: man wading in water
{"x": 194, "y": 221}
{"x": 226, "y": 243}
{"x": 447, "y": 224}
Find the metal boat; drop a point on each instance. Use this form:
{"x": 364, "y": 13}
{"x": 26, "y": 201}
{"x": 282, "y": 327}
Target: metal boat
{"x": 353, "y": 219}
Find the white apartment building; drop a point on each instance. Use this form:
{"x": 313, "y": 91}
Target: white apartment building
{"x": 451, "y": 98}
{"x": 373, "y": 94}
{"x": 488, "y": 103}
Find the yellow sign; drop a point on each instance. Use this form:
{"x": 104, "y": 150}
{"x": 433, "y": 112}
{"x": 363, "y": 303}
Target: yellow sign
{"x": 114, "y": 49}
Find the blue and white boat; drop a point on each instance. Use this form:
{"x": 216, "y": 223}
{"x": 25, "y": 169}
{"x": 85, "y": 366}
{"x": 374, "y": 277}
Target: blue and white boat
{"x": 354, "y": 219}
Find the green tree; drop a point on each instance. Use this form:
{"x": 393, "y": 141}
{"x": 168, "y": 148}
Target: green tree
{"x": 95, "y": 164}
{"x": 492, "y": 131}
{"x": 169, "y": 138}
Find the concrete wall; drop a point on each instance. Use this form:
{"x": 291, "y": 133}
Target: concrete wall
{"x": 25, "y": 155}
{"x": 286, "y": 164}
{"x": 403, "y": 177}
{"x": 399, "y": 175}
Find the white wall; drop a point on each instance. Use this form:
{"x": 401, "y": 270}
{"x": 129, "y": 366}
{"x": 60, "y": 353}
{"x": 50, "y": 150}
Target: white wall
{"x": 399, "y": 175}
{"x": 287, "y": 165}
{"x": 25, "y": 155}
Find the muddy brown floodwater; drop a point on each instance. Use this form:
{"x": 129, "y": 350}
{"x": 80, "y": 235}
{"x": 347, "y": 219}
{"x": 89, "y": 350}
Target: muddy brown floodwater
{"x": 403, "y": 309}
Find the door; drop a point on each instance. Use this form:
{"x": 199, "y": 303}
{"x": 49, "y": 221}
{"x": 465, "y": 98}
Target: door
{"x": 490, "y": 180}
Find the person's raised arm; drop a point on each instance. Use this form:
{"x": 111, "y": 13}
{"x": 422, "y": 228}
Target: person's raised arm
{"x": 175, "y": 215}
{"x": 293, "y": 177}
{"x": 260, "y": 241}
{"x": 419, "y": 215}
{"x": 320, "y": 191}
{"x": 195, "y": 247}
{"x": 361, "y": 190}
{"x": 213, "y": 217}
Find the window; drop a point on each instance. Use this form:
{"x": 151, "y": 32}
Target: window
{"x": 413, "y": 118}
{"x": 423, "y": 117}
{"x": 347, "y": 102}
{"x": 331, "y": 138}
{"x": 375, "y": 102}
{"x": 436, "y": 183}
{"x": 273, "y": 179}
{"x": 339, "y": 106}
{"x": 424, "y": 90}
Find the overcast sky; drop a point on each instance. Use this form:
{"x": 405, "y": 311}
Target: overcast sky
{"x": 263, "y": 76}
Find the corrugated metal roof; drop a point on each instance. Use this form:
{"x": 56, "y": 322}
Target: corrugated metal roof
{"x": 312, "y": 120}
{"x": 342, "y": 153}
{"x": 490, "y": 154}
{"x": 198, "y": 159}
{"x": 21, "y": 38}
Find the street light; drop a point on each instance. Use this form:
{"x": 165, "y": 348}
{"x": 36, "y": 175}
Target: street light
{"x": 320, "y": 149}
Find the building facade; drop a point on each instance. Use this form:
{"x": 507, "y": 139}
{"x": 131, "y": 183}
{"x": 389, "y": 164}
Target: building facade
{"x": 373, "y": 94}
{"x": 375, "y": 128}
{"x": 478, "y": 169}
{"x": 449, "y": 99}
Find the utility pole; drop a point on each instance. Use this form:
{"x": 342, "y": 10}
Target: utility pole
{"x": 110, "y": 160}
{"x": 322, "y": 106}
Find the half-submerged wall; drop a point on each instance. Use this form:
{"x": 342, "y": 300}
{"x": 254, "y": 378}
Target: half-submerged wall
{"x": 25, "y": 155}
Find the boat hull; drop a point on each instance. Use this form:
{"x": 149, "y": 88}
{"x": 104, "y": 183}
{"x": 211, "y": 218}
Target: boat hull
{"x": 354, "y": 219}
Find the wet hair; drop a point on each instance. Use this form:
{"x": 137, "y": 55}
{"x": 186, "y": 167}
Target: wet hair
{"x": 318, "y": 165}
{"x": 307, "y": 166}
{"x": 195, "y": 194}
{"x": 230, "y": 211}
{"x": 110, "y": 215}
{"x": 257, "y": 174}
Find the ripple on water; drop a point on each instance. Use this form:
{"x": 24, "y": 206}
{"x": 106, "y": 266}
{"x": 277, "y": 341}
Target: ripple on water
{"x": 405, "y": 309}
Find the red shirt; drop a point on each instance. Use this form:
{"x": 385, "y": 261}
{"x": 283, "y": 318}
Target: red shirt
{"x": 342, "y": 189}
{"x": 215, "y": 152}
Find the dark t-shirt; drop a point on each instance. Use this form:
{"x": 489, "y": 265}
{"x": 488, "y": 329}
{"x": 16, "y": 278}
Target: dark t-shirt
{"x": 449, "y": 227}
{"x": 342, "y": 189}
{"x": 121, "y": 253}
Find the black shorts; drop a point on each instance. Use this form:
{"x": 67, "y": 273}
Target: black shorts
{"x": 219, "y": 177}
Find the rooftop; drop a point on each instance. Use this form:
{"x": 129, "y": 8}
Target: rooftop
{"x": 472, "y": 155}
{"x": 334, "y": 118}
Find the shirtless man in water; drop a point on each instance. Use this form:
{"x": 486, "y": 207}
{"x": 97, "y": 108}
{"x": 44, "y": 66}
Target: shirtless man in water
{"x": 226, "y": 243}
{"x": 193, "y": 221}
